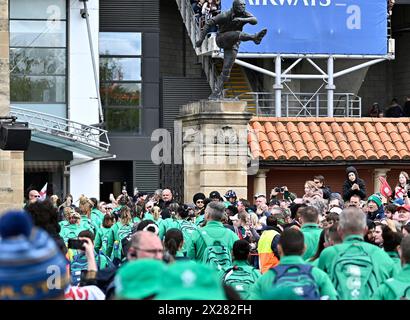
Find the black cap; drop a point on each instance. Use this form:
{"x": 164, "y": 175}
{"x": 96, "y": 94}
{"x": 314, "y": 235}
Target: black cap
{"x": 215, "y": 194}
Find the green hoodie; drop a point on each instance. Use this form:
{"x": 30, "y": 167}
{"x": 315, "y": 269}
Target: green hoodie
{"x": 311, "y": 232}
{"x": 70, "y": 231}
{"x": 165, "y": 225}
{"x": 101, "y": 239}
{"x": 264, "y": 284}
{"x": 97, "y": 217}
{"x": 383, "y": 265}
{"x": 394, "y": 288}
{"x": 216, "y": 231}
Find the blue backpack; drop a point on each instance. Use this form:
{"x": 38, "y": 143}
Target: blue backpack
{"x": 300, "y": 281}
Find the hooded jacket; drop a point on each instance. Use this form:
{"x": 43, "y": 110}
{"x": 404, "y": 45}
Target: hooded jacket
{"x": 347, "y": 186}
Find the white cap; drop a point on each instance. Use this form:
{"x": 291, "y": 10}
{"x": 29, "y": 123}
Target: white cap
{"x": 234, "y": 218}
{"x": 336, "y": 210}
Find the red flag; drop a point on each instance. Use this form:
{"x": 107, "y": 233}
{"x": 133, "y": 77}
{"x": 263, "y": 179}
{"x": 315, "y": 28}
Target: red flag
{"x": 43, "y": 192}
{"x": 385, "y": 189}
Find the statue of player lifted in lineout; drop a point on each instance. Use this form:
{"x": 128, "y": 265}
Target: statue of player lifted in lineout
{"x": 229, "y": 37}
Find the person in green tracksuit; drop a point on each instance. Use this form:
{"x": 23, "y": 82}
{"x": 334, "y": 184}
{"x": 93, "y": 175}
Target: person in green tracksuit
{"x": 119, "y": 231}
{"x": 166, "y": 224}
{"x": 291, "y": 248}
{"x": 357, "y": 258}
{"x": 73, "y": 228}
{"x": 96, "y": 215}
{"x": 311, "y": 231}
{"x": 398, "y": 287}
{"x": 214, "y": 230}
{"x": 241, "y": 276}
{"x": 101, "y": 238}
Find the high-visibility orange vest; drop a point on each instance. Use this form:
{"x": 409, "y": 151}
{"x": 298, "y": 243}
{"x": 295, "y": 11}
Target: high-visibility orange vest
{"x": 267, "y": 258}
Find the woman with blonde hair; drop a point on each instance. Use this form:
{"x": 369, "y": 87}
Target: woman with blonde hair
{"x": 312, "y": 192}
{"x": 119, "y": 231}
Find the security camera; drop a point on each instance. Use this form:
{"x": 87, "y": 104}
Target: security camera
{"x": 83, "y": 13}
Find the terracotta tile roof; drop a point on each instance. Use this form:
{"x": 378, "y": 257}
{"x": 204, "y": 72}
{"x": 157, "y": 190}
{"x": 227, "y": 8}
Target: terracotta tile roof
{"x": 329, "y": 138}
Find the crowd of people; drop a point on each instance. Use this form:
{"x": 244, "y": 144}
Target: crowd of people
{"x": 394, "y": 110}
{"x": 322, "y": 245}
{"x": 205, "y": 10}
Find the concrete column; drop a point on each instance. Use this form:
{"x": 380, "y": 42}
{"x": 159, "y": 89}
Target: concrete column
{"x": 82, "y": 96}
{"x": 11, "y": 162}
{"x": 379, "y": 172}
{"x": 259, "y": 183}
{"x": 215, "y": 147}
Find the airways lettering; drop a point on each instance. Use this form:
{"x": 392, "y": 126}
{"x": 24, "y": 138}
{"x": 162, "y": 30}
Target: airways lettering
{"x": 306, "y": 3}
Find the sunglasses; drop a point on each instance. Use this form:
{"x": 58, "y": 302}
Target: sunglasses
{"x": 200, "y": 201}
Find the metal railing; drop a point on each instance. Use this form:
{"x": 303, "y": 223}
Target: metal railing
{"x": 82, "y": 134}
{"x": 192, "y": 24}
{"x": 303, "y": 104}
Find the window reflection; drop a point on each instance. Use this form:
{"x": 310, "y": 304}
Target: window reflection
{"x": 121, "y": 94}
{"x": 120, "y": 43}
{"x": 49, "y": 89}
{"x": 120, "y": 80}
{"x": 37, "y": 33}
{"x": 37, "y": 9}
{"x": 123, "y": 120}
{"x": 38, "y": 61}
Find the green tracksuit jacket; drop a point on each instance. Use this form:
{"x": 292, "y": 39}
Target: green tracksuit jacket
{"x": 394, "y": 288}
{"x": 265, "y": 282}
{"x": 216, "y": 231}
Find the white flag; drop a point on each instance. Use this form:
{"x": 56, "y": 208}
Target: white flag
{"x": 43, "y": 192}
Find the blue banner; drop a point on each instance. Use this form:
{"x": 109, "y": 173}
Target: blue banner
{"x": 343, "y": 27}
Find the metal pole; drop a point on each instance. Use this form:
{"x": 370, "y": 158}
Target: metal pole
{"x": 84, "y": 14}
{"x": 278, "y": 86}
{"x": 330, "y": 86}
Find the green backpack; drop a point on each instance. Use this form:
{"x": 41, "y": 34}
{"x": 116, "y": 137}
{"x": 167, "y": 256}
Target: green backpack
{"x": 123, "y": 232}
{"x": 239, "y": 278}
{"x": 353, "y": 274}
{"x": 216, "y": 255}
{"x": 401, "y": 290}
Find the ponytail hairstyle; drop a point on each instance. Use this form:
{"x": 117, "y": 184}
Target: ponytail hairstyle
{"x": 173, "y": 209}
{"x": 156, "y": 212}
{"x": 183, "y": 211}
{"x": 173, "y": 240}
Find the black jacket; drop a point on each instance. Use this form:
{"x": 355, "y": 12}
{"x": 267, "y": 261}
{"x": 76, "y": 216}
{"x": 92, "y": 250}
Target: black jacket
{"x": 347, "y": 186}
{"x": 326, "y": 192}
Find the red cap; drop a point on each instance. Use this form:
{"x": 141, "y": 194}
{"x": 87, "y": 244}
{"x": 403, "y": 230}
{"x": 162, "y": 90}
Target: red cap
{"x": 405, "y": 207}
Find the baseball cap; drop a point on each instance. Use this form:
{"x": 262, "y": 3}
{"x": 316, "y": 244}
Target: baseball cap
{"x": 139, "y": 279}
{"x": 234, "y": 218}
{"x": 189, "y": 280}
{"x": 258, "y": 195}
{"x": 404, "y": 207}
{"x": 336, "y": 210}
{"x": 29, "y": 257}
{"x": 215, "y": 194}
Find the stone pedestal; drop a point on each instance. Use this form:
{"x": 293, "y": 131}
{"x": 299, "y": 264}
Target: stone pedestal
{"x": 215, "y": 151}
{"x": 11, "y": 163}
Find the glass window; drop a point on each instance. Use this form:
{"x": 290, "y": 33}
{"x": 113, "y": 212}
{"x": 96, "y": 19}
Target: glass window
{"x": 120, "y": 80}
{"x": 120, "y": 69}
{"x": 46, "y": 89}
{"x": 120, "y": 43}
{"x": 37, "y": 33}
{"x": 123, "y": 119}
{"x": 38, "y": 61}
{"x": 38, "y": 9}
{"x": 38, "y": 55}
{"x": 120, "y": 94}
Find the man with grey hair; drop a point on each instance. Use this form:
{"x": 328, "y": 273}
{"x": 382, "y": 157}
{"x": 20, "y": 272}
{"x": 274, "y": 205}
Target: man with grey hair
{"x": 398, "y": 287}
{"x": 213, "y": 240}
{"x": 355, "y": 267}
